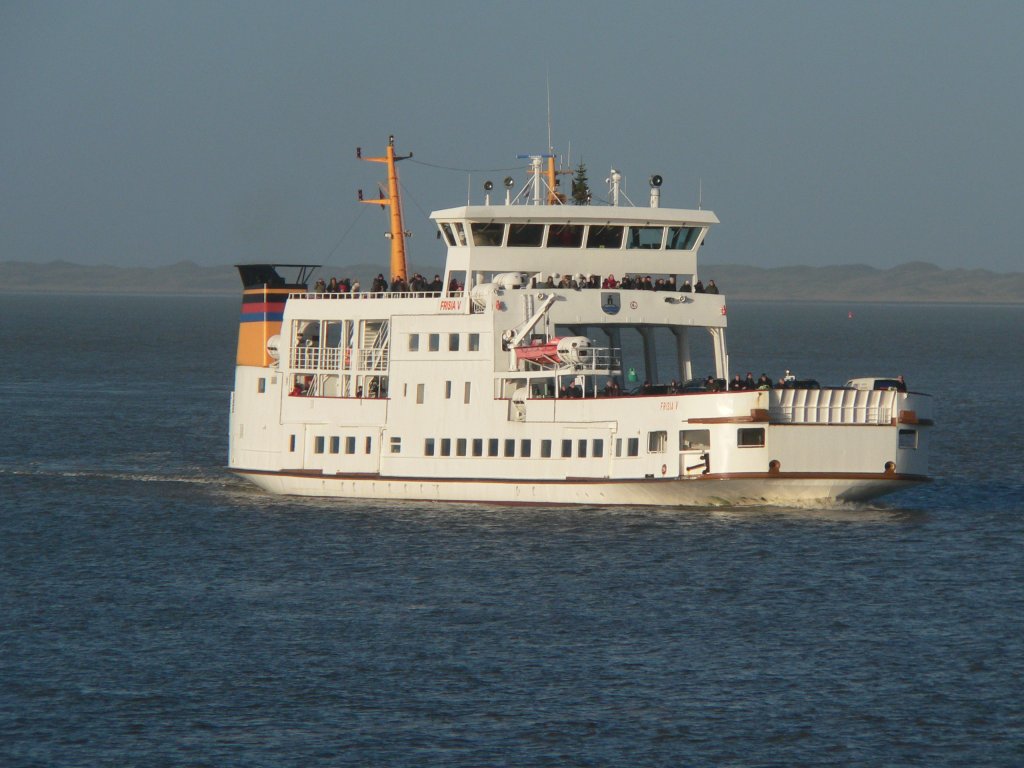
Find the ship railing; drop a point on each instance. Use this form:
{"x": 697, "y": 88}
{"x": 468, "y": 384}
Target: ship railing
{"x": 333, "y": 359}
{"x": 833, "y": 406}
{"x": 370, "y": 295}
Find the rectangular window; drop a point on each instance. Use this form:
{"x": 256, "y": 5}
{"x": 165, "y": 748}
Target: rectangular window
{"x": 414, "y": 342}
{"x": 473, "y": 342}
{"x": 478, "y": 446}
{"x": 291, "y": 443}
{"x": 618, "y": 447}
{"x": 581, "y": 448}
{"x": 604, "y": 236}
{"x": 694, "y": 439}
{"x": 449, "y": 235}
{"x": 335, "y": 444}
{"x": 487, "y": 234}
{"x": 261, "y": 386}
{"x": 648, "y": 238}
{"x": 525, "y": 235}
{"x": 434, "y": 342}
{"x": 565, "y": 236}
{"x": 566, "y": 449}
{"x": 460, "y": 233}
{"x": 465, "y": 393}
{"x": 421, "y": 390}
{"x": 368, "y": 445}
{"x": 682, "y": 238}
{"x": 597, "y": 449}
{"x": 350, "y": 445}
{"x": 492, "y": 447}
{"x": 446, "y": 446}
{"x": 545, "y": 449}
{"x": 447, "y": 390}
{"x": 750, "y": 437}
{"x": 657, "y": 442}
{"x": 525, "y": 449}
{"x": 908, "y": 438}
{"x": 318, "y": 444}
{"x": 510, "y": 448}
{"x": 633, "y": 446}
{"x": 453, "y": 342}
{"x": 460, "y": 447}
{"x": 396, "y": 445}
{"x": 428, "y": 446}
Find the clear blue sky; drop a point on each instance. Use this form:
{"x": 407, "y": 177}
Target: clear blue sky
{"x": 145, "y": 133}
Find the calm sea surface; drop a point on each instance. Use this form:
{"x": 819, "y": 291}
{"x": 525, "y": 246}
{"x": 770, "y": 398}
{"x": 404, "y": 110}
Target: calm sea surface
{"x": 155, "y": 611}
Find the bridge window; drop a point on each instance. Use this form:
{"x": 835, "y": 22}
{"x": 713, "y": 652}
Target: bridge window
{"x": 750, "y": 438}
{"x": 525, "y": 235}
{"x": 460, "y": 233}
{"x": 682, "y": 238}
{"x": 645, "y": 237}
{"x": 487, "y": 234}
{"x": 604, "y": 236}
{"x": 446, "y": 231}
{"x": 565, "y": 236}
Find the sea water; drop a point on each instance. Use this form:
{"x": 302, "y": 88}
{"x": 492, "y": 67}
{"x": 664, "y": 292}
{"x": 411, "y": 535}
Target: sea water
{"x": 156, "y": 611}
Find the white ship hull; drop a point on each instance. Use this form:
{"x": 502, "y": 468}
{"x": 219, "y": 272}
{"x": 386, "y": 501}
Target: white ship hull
{"x": 708, "y": 491}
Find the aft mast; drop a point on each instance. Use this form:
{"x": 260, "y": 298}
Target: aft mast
{"x": 397, "y": 235}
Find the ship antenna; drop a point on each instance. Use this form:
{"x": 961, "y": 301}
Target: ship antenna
{"x": 700, "y": 194}
{"x": 551, "y": 149}
{"x": 397, "y": 233}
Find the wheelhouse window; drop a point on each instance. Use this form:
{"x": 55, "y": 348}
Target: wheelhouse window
{"x": 447, "y": 233}
{"x": 682, "y": 238}
{"x": 487, "y": 234}
{"x": 694, "y": 439}
{"x": 565, "y": 236}
{"x": 604, "y": 236}
{"x": 525, "y": 235}
{"x": 657, "y": 441}
{"x": 460, "y": 233}
{"x": 750, "y": 437}
{"x": 645, "y": 237}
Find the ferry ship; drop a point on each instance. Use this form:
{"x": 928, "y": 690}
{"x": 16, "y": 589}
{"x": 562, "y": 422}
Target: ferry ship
{"x": 534, "y": 374}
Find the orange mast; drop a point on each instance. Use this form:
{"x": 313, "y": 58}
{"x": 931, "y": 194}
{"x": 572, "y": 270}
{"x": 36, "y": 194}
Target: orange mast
{"x": 397, "y": 235}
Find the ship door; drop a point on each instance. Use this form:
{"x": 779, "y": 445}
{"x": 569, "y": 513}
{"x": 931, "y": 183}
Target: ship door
{"x": 694, "y": 452}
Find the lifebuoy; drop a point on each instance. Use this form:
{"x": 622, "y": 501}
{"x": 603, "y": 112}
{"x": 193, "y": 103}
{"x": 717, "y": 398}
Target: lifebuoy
{"x": 664, "y": 469}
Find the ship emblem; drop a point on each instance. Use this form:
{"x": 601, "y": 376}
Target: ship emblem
{"x": 610, "y": 303}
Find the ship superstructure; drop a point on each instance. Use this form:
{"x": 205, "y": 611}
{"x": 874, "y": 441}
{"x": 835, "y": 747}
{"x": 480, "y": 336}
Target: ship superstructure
{"x": 534, "y": 376}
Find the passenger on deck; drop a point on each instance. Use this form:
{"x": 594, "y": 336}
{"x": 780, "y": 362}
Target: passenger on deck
{"x": 332, "y": 287}
{"x": 736, "y": 384}
{"x": 901, "y": 385}
{"x": 380, "y": 285}
{"x": 749, "y": 382}
{"x": 764, "y": 382}
{"x": 687, "y": 288}
{"x": 320, "y": 286}
{"x": 698, "y": 287}
{"x": 712, "y": 288}
{"x": 610, "y": 282}
{"x": 436, "y": 285}
{"x": 355, "y": 287}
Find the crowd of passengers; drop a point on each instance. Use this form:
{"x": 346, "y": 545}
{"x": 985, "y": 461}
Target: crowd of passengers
{"x": 419, "y": 284}
{"x": 416, "y": 284}
{"x": 629, "y": 282}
